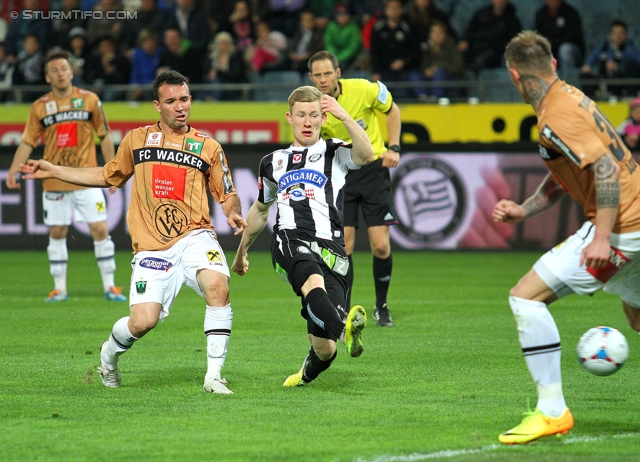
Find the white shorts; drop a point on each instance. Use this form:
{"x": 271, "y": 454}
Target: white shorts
{"x": 89, "y": 205}
{"x": 560, "y": 267}
{"x": 158, "y": 275}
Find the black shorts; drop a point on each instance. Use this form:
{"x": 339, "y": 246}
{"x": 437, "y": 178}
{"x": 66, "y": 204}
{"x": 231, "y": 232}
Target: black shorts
{"x": 369, "y": 188}
{"x": 324, "y": 257}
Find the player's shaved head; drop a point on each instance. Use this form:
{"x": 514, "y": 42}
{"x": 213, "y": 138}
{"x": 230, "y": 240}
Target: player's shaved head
{"x": 530, "y": 52}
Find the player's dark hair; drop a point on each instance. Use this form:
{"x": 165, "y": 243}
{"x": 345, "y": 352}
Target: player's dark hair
{"x": 168, "y": 78}
{"x": 321, "y": 56}
{"x": 61, "y": 54}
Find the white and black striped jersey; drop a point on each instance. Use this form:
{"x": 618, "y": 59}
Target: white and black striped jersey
{"x": 306, "y": 183}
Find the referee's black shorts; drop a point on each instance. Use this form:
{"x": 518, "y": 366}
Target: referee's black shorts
{"x": 369, "y": 188}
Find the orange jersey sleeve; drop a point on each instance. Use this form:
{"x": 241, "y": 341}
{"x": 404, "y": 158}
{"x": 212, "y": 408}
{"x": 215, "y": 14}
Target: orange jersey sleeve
{"x": 171, "y": 175}
{"x": 573, "y": 135}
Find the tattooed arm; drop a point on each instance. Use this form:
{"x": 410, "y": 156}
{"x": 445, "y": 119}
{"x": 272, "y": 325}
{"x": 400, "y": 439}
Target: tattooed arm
{"x": 548, "y": 193}
{"x": 607, "y": 182}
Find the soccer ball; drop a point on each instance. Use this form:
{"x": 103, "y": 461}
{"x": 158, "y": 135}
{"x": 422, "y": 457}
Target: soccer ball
{"x": 602, "y": 350}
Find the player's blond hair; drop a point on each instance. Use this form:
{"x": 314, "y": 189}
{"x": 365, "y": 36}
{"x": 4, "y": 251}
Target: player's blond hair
{"x": 305, "y": 94}
{"x": 530, "y": 52}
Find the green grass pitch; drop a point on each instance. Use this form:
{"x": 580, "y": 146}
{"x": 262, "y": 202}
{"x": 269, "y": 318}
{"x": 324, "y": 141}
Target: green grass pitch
{"x": 440, "y": 385}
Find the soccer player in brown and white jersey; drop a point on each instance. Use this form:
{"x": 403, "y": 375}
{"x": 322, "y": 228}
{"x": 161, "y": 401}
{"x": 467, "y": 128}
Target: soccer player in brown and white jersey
{"x": 173, "y": 165}
{"x": 587, "y": 160}
{"x": 68, "y": 117}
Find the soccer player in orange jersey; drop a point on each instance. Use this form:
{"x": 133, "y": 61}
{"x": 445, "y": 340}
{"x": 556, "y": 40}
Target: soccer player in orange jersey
{"x": 172, "y": 165}
{"x": 587, "y": 160}
{"x": 68, "y": 117}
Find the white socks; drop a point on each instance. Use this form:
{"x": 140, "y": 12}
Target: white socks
{"x": 119, "y": 341}
{"x": 217, "y": 328}
{"x": 540, "y": 341}
{"x": 58, "y": 257}
{"x": 105, "y": 255}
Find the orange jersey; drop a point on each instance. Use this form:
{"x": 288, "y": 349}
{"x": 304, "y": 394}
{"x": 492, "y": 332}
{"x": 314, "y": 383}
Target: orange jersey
{"x": 573, "y": 135}
{"x": 68, "y": 125}
{"x": 169, "y": 194}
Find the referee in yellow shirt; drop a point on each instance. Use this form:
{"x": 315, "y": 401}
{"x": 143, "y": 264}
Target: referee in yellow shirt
{"x": 370, "y": 187}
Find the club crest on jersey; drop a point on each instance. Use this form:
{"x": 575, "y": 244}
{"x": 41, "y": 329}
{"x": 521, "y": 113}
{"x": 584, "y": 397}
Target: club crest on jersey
{"x": 315, "y": 157}
{"x": 51, "y": 107}
{"x": 302, "y": 176}
{"x": 154, "y": 139}
{"x": 297, "y": 158}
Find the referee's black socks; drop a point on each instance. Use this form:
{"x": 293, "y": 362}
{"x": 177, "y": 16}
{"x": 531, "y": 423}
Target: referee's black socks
{"x": 382, "y": 268}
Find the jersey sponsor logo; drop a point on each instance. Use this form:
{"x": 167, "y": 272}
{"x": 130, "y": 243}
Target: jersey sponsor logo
{"x": 299, "y": 194}
{"x": 201, "y": 135}
{"x": 193, "y": 146}
{"x": 315, "y": 157}
{"x": 155, "y": 264}
{"x": 226, "y": 178}
{"x": 168, "y": 182}
{"x": 280, "y": 164}
{"x": 302, "y": 249}
{"x": 66, "y": 116}
{"x": 51, "y": 107}
{"x": 77, "y": 103}
{"x": 154, "y": 139}
{"x": 297, "y": 158}
{"x": 383, "y": 93}
{"x": 173, "y": 145}
{"x": 67, "y": 135}
{"x": 430, "y": 202}
{"x": 170, "y": 221}
{"x": 302, "y": 176}
{"x": 543, "y": 152}
{"x": 555, "y": 139}
{"x": 171, "y": 156}
{"x": 259, "y": 183}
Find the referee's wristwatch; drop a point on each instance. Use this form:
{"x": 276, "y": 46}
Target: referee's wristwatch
{"x": 395, "y": 148}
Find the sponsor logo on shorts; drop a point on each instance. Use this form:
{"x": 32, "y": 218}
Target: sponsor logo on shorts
{"x": 154, "y": 139}
{"x": 101, "y": 207}
{"x": 141, "y": 287}
{"x": 430, "y": 202}
{"x": 214, "y": 257}
{"x": 53, "y": 196}
{"x": 302, "y": 249}
{"x": 155, "y": 264}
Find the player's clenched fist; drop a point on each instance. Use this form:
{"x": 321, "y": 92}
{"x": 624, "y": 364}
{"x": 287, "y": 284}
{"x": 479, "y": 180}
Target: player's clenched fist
{"x": 507, "y": 211}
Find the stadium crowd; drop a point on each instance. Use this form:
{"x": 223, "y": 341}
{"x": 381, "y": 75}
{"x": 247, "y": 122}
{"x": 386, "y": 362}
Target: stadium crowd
{"x": 129, "y": 42}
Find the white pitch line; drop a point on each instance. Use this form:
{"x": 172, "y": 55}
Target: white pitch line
{"x": 492, "y": 447}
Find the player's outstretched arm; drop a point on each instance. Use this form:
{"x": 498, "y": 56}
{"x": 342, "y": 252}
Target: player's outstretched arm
{"x": 41, "y": 169}
{"x": 256, "y": 221}
{"x": 361, "y": 152}
{"x": 548, "y": 193}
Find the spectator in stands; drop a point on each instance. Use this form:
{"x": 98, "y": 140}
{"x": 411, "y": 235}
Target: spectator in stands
{"x": 306, "y": 41}
{"x": 225, "y": 65}
{"x": 145, "y": 63}
{"x": 270, "y": 50}
{"x": 29, "y": 66}
{"x": 323, "y": 10}
{"x": 6, "y": 72}
{"x": 395, "y": 53}
{"x": 629, "y": 129}
{"x": 615, "y": 58}
{"x": 240, "y": 25}
{"x": 62, "y": 26}
{"x": 20, "y": 27}
{"x": 99, "y": 26}
{"x": 421, "y": 16}
{"x": 180, "y": 55}
{"x": 561, "y": 24}
{"x": 285, "y": 15}
{"x": 148, "y": 17}
{"x": 217, "y": 13}
{"x": 342, "y": 37}
{"x": 109, "y": 67}
{"x": 488, "y": 33}
{"x": 79, "y": 55}
{"x": 441, "y": 62}
{"x": 192, "y": 23}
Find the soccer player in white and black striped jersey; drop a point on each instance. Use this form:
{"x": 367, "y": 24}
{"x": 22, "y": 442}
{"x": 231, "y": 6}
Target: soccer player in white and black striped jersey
{"x": 306, "y": 181}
